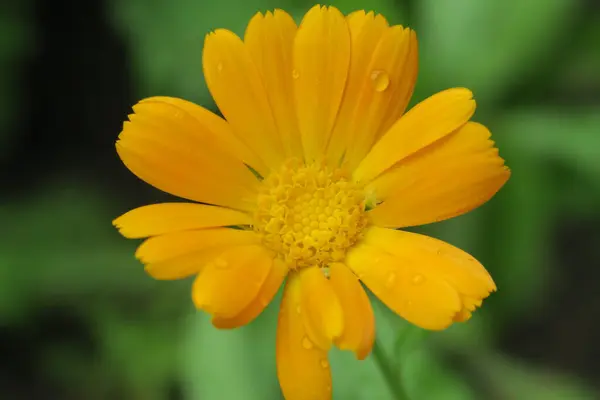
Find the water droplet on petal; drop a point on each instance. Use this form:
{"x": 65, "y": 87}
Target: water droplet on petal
{"x": 324, "y": 363}
{"x": 391, "y": 279}
{"x": 418, "y": 279}
{"x": 298, "y": 309}
{"x": 380, "y": 80}
{"x": 220, "y": 67}
{"x": 220, "y": 263}
{"x": 295, "y": 74}
{"x": 306, "y": 343}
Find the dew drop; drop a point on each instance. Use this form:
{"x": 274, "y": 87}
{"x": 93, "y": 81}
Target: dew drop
{"x": 306, "y": 343}
{"x": 295, "y": 74}
{"x": 220, "y": 67}
{"x": 324, "y": 363}
{"x": 380, "y": 80}
{"x": 391, "y": 279}
{"x": 220, "y": 263}
{"x": 298, "y": 309}
{"x": 418, "y": 279}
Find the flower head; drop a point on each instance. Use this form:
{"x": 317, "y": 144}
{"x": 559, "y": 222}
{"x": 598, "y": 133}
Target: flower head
{"x": 305, "y": 181}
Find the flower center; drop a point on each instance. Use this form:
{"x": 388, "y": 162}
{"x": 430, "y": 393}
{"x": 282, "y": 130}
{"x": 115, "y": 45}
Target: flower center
{"x": 309, "y": 214}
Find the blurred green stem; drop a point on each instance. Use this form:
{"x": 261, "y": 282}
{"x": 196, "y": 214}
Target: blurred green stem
{"x": 390, "y": 374}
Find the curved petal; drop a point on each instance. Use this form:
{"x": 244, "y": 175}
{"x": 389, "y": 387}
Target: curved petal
{"x": 302, "y": 368}
{"x": 320, "y": 307}
{"x": 449, "y": 178}
{"x": 229, "y": 283}
{"x": 220, "y": 129}
{"x": 366, "y": 30}
{"x": 237, "y": 88}
{"x": 268, "y": 290}
{"x": 425, "y": 280}
{"x": 321, "y": 61}
{"x": 269, "y": 39}
{"x": 166, "y": 147}
{"x": 158, "y": 219}
{"x": 359, "y": 321}
{"x": 181, "y": 254}
{"x": 424, "y": 124}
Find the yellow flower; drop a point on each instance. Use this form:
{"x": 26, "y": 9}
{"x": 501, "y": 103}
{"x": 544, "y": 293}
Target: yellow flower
{"x": 305, "y": 180}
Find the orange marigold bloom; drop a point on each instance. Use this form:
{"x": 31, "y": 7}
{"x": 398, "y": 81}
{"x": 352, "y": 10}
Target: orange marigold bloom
{"x": 306, "y": 180}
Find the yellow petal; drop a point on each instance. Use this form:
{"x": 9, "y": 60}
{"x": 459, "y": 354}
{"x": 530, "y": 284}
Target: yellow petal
{"x": 434, "y": 257}
{"x": 403, "y": 90}
{"x": 157, "y": 219}
{"x": 377, "y": 86}
{"x": 469, "y": 305}
{"x": 320, "y": 308}
{"x": 359, "y": 321}
{"x": 268, "y": 290}
{"x": 366, "y": 31}
{"x": 302, "y": 368}
{"x": 451, "y": 177}
{"x": 270, "y": 39}
{"x": 228, "y": 283}
{"x": 321, "y": 61}
{"x": 181, "y": 254}
{"x": 166, "y": 147}
{"x": 220, "y": 129}
{"x": 424, "y": 124}
{"x": 430, "y": 304}
{"x": 237, "y": 88}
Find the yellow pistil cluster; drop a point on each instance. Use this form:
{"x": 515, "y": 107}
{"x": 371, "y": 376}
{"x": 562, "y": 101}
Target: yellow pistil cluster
{"x": 309, "y": 214}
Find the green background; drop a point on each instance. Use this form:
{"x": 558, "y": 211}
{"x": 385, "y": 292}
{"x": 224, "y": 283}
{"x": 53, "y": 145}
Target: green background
{"x": 79, "y": 318}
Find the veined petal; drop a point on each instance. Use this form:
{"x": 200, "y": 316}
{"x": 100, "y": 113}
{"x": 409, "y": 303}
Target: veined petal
{"x": 237, "y": 88}
{"x": 425, "y": 280}
{"x": 229, "y": 283}
{"x": 181, "y": 254}
{"x": 366, "y": 30}
{"x": 302, "y": 368}
{"x": 221, "y": 131}
{"x": 431, "y": 305}
{"x": 320, "y": 308}
{"x": 359, "y": 321}
{"x": 157, "y": 219}
{"x": 424, "y": 124}
{"x": 166, "y": 147}
{"x": 449, "y": 178}
{"x": 268, "y": 290}
{"x": 433, "y": 256}
{"x": 321, "y": 61}
{"x": 270, "y": 39}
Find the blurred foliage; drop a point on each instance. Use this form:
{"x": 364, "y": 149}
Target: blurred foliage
{"x": 533, "y": 66}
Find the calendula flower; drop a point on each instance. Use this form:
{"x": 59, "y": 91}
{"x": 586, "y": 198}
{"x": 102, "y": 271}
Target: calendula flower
{"x": 305, "y": 181}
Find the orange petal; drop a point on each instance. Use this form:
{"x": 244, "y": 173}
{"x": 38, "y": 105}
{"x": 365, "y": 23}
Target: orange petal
{"x": 359, "y": 321}
{"x": 157, "y": 219}
{"x": 320, "y": 307}
{"x": 423, "y": 279}
{"x": 431, "y": 305}
{"x": 302, "y": 368}
{"x": 268, "y": 290}
{"x": 181, "y": 254}
{"x": 232, "y": 280}
{"x": 269, "y": 39}
{"x": 424, "y": 124}
{"x": 171, "y": 150}
{"x": 237, "y": 88}
{"x": 366, "y": 31}
{"x": 222, "y": 132}
{"x": 449, "y": 178}
{"x": 321, "y": 61}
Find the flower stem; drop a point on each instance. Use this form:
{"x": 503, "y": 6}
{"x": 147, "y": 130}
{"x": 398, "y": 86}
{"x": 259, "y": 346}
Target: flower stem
{"x": 390, "y": 374}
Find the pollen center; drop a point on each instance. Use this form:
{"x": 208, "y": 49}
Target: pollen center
{"x": 309, "y": 214}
